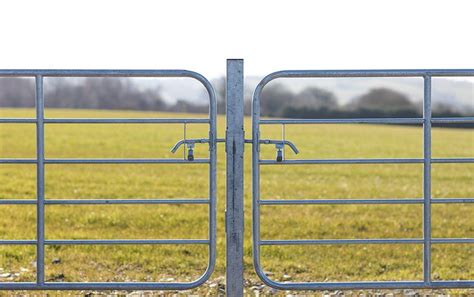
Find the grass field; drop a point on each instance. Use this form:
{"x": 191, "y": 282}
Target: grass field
{"x": 167, "y": 263}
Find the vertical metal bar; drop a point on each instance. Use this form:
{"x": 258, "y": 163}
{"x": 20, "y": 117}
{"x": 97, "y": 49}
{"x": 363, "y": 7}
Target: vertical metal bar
{"x": 283, "y": 136}
{"x": 256, "y": 179}
{"x": 184, "y": 145}
{"x": 235, "y": 175}
{"x": 427, "y": 180}
{"x": 39, "y": 181}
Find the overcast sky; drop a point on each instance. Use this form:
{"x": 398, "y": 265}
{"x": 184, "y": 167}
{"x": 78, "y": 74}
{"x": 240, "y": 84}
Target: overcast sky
{"x": 269, "y": 35}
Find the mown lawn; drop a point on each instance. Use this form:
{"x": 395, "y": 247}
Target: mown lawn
{"x": 167, "y": 263}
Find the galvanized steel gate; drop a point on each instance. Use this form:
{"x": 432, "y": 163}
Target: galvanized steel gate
{"x": 40, "y": 121}
{"x": 234, "y": 207}
{"x": 426, "y": 201}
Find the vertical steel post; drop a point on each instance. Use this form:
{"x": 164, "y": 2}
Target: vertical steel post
{"x": 39, "y": 180}
{"x": 235, "y": 174}
{"x": 427, "y": 180}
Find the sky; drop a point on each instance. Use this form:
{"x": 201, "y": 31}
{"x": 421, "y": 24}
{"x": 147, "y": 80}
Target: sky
{"x": 268, "y": 35}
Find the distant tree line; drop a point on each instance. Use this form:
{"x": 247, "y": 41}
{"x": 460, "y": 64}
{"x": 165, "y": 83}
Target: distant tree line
{"x": 318, "y": 103}
{"x": 91, "y": 93}
{"x": 276, "y": 101}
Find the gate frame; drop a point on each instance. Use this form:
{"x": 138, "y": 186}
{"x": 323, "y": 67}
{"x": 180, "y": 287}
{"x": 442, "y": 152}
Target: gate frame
{"x": 234, "y": 148}
{"x": 427, "y": 240}
{"x": 40, "y": 162}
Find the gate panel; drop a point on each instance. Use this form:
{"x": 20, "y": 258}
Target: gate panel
{"x": 40, "y": 162}
{"x": 426, "y": 201}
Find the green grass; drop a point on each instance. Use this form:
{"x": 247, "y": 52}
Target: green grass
{"x": 302, "y": 263}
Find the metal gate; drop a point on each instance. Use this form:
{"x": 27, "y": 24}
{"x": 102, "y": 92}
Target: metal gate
{"x": 40, "y": 121}
{"x": 426, "y": 201}
{"x": 235, "y": 200}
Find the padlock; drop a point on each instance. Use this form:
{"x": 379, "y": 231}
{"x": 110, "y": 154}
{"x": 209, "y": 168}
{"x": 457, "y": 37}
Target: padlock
{"x": 279, "y": 147}
{"x": 279, "y": 156}
{"x": 190, "y": 152}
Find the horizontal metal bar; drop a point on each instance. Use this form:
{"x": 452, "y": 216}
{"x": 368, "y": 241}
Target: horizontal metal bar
{"x": 261, "y": 202}
{"x": 106, "y": 241}
{"x": 104, "y": 201}
{"x": 283, "y": 286}
{"x": 339, "y": 201}
{"x": 284, "y": 73}
{"x": 99, "y": 73}
{"x": 363, "y": 201}
{"x": 367, "y": 121}
{"x": 17, "y": 242}
{"x": 18, "y": 161}
{"x": 365, "y": 241}
{"x": 16, "y": 121}
{"x": 452, "y": 160}
{"x": 128, "y": 121}
{"x": 365, "y": 161}
{"x": 125, "y": 161}
{"x": 105, "y": 161}
{"x": 344, "y": 121}
{"x": 101, "y": 285}
{"x": 341, "y": 161}
{"x": 341, "y": 241}
{"x": 124, "y": 241}
{"x": 263, "y": 162}
{"x": 358, "y": 285}
{"x": 452, "y": 120}
{"x": 17, "y": 201}
{"x": 452, "y": 240}
{"x": 451, "y": 200}
{"x": 124, "y": 201}
{"x": 368, "y": 73}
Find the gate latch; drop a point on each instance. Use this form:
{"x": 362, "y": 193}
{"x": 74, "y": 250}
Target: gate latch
{"x": 190, "y": 144}
{"x": 279, "y": 146}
